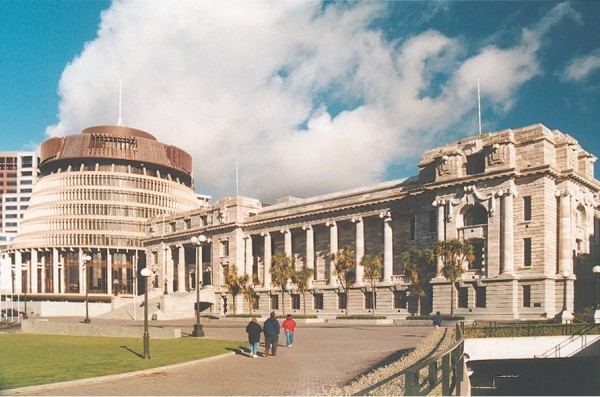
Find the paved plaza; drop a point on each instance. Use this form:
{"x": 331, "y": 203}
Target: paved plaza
{"x": 322, "y": 355}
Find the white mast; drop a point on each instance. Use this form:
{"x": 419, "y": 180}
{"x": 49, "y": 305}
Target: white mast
{"x": 120, "y": 120}
{"x": 478, "y": 106}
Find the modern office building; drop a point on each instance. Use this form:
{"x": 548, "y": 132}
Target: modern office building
{"x": 96, "y": 191}
{"x": 526, "y": 199}
{"x": 18, "y": 175}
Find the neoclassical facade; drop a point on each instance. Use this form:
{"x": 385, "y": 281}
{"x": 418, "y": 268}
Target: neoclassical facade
{"x": 526, "y": 199}
{"x": 95, "y": 193}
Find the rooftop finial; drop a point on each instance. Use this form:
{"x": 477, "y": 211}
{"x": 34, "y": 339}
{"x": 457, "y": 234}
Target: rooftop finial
{"x": 120, "y": 120}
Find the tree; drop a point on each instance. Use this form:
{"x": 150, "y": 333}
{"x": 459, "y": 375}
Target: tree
{"x": 281, "y": 271}
{"x": 234, "y": 282}
{"x": 248, "y": 289}
{"x": 453, "y": 254}
{"x": 416, "y": 267}
{"x": 301, "y": 279}
{"x": 373, "y": 265}
{"x": 344, "y": 262}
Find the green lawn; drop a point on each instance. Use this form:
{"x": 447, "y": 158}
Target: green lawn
{"x": 28, "y": 359}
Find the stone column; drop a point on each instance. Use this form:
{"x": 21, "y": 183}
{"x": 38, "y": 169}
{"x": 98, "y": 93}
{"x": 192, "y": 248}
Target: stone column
{"x": 170, "y": 270}
{"x": 287, "y": 245}
{"x": 388, "y": 249}
{"x": 267, "y": 260}
{"x": 565, "y": 233}
{"x": 333, "y": 249}
{"x": 310, "y": 250}
{"x": 55, "y": 270}
{"x": 508, "y": 239}
{"x": 34, "y": 271}
{"x": 360, "y": 249}
{"x": 249, "y": 255}
{"x": 18, "y": 271}
{"x": 109, "y": 273}
{"x": 181, "y": 269}
{"x": 440, "y": 204}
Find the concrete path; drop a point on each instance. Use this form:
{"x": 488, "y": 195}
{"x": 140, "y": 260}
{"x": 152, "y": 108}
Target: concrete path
{"x": 322, "y": 355}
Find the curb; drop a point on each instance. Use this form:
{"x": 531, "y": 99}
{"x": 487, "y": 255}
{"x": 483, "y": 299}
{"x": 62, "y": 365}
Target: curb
{"x": 107, "y": 378}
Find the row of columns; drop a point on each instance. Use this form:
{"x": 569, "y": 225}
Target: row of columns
{"x": 58, "y": 271}
{"x": 333, "y": 248}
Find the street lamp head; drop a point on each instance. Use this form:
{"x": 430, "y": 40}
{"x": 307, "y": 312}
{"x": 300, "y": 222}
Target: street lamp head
{"x": 199, "y": 240}
{"x": 87, "y": 258}
{"x": 145, "y": 272}
{"x": 566, "y": 273}
{"x": 596, "y": 269}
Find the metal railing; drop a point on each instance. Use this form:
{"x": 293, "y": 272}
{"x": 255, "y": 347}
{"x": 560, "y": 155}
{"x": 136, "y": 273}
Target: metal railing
{"x": 580, "y": 337}
{"x": 447, "y": 369}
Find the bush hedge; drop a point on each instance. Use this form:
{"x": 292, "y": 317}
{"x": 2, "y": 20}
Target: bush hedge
{"x": 361, "y": 317}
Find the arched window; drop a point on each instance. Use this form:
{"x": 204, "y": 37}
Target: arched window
{"x": 476, "y": 215}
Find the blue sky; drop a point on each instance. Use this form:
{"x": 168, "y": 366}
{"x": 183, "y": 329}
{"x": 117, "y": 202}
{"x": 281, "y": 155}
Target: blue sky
{"x": 307, "y": 97}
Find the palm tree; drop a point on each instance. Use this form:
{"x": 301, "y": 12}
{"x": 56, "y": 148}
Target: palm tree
{"x": 454, "y": 253}
{"x": 234, "y": 283}
{"x": 344, "y": 262}
{"x": 281, "y": 271}
{"x": 248, "y": 290}
{"x": 301, "y": 279}
{"x": 373, "y": 265}
{"x": 416, "y": 267}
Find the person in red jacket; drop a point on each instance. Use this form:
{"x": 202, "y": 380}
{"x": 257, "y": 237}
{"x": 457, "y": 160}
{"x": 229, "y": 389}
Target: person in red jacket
{"x": 289, "y": 325}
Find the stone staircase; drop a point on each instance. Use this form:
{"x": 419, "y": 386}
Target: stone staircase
{"x": 160, "y": 307}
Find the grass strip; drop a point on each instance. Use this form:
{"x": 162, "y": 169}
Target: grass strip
{"x": 29, "y": 359}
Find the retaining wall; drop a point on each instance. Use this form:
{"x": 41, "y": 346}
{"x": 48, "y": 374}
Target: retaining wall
{"x": 38, "y": 326}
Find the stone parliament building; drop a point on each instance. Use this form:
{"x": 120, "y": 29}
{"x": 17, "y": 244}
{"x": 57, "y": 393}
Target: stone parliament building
{"x": 526, "y": 199}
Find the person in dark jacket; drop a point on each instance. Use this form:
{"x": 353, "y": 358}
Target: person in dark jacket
{"x": 254, "y": 330}
{"x": 271, "y": 329}
{"x": 437, "y": 320}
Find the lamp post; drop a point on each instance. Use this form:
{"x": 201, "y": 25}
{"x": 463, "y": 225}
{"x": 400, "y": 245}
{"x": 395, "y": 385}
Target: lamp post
{"x": 86, "y": 259}
{"x": 198, "y": 241}
{"x": 565, "y": 316}
{"x": 145, "y": 272}
{"x": 596, "y": 271}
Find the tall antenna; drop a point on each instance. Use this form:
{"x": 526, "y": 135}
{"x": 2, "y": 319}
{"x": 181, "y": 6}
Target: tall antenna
{"x": 120, "y": 120}
{"x": 478, "y": 106}
{"x": 237, "y": 181}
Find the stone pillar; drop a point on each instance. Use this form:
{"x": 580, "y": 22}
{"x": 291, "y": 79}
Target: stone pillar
{"x": 441, "y": 235}
{"x": 109, "y": 272}
{"x": 249, "y": 255}
{"x": 170, "y": 270}
{"x": 267, "y": 260}
{"x": 360, "y": 249}
{"x": 55, "y": 270}
{"x": 287, "y": 245}
{"x": 508, "y": 233}
{"x": 181, "y": 269}
{"x": 310, "y": 249}
{"x": 18, "y": 271}
{"x": 388, "y": 249}
{"x": 565, "y": 233}
{"x": 333, "y": 249}
{"x": 34, "y": 271}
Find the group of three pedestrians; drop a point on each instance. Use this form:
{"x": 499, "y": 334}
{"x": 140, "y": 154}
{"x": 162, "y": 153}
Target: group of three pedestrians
{"x": 271, "y": 330}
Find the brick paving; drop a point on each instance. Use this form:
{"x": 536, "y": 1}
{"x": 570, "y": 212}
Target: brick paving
{"x": 322, "y": 355}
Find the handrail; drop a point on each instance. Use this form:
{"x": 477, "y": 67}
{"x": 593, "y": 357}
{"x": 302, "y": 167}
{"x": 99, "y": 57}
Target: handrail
{"x": 449, "y": 374}
{"x": 581, "y": 335}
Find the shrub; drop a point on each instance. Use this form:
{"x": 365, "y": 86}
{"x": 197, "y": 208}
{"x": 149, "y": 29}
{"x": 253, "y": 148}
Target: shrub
{"x": 584, "y": 316}
{"x": 444, "y": 318}
{"x": 361, "y": 317}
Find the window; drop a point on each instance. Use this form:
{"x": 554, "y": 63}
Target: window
{"x": 527, "y": 208}
{"x": 479, "y": 253}
{"x": 26, "y": 182}
{"x": 295, "y": 301}
{"x": 527, "y": 296}
{"x": 399, "y": 299}
{"x": 10, "y": 199}
{"x": 21, "y": 199}
{"x": 10, "y": 216}
{"x": 480, "y": 296}
{"x": 527, "y": 252}
{"x": 475, "y": 215}
{"x": 463, "y": 297}
{"x": 23, "y": 191}
{"x": 342, "y": 300}
{"x": 274, "y": 302}
{"x": 11, "y": 207}
{"x": 224, "y": 248}
{"x": 318, "y": 301}
{"x": 475, "y": 164}
{"x": 369, "y": 299}
{"x": 432, "y": 221}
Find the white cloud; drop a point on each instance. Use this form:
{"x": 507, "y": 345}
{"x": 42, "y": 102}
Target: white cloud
{"x": 581, "y": 68}
{"x": 261, "y": 83}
